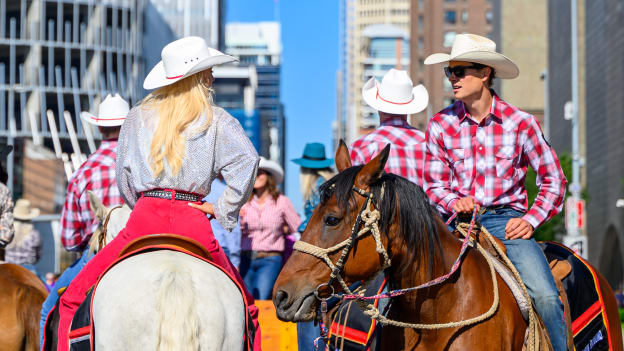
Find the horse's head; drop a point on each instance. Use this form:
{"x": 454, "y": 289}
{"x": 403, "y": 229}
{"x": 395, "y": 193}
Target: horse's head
{"x": 111, "y": 221}
{"x": 331, "y": 224}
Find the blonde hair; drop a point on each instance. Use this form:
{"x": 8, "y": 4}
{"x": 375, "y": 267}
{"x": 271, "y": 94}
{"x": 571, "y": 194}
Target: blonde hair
{"x": 308, "y": 178}
{"x": 178, "y": 105}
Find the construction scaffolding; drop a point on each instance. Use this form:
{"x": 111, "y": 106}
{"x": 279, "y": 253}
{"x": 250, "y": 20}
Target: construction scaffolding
{"x": 58, "y": 58}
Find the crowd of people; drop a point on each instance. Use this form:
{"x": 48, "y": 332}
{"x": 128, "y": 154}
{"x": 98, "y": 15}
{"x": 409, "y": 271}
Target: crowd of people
{"x": 186, "y": 167}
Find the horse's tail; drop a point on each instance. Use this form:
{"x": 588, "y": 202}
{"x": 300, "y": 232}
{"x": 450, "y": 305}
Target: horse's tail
{"x": 179, "y": 323}
{"x": 29, "y": 301}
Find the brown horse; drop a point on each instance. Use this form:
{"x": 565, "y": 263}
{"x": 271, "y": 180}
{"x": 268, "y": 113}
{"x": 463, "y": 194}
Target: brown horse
{"x": 420, "y": 248}
{"x": 21, "y": 297}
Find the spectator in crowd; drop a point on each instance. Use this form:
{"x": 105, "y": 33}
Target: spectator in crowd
{"x": 78, "y": 222}
{"x": 50, "y": 280}
{"x": 315, "y": 170}
{"x": 230, "y": 242}
{"x": 262, "y": 224}
{"x": 6, "y": 204}
{"x": 25, "y": 249}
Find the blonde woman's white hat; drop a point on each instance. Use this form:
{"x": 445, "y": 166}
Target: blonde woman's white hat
{"x": 112, "y": 112}
{"x": 477, "y": 49}
{"x": 23, "y": 211}
{"x": 272, "y": 167}
{"x": 182, "y": 58}
{"x": 395, "y": 94}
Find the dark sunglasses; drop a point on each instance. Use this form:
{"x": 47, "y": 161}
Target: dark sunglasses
{"x": 458, "y": 71}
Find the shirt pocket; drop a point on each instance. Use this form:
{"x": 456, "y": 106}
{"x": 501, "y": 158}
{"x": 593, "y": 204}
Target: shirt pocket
{"x": 459, "y": 162}
{"x": 505, "y": 157}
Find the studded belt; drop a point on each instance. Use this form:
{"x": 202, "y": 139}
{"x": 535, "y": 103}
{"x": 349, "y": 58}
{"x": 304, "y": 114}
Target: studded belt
{"x": 172, "y": 194}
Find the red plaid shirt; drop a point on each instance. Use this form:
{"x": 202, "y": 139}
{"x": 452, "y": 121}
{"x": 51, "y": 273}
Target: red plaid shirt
{"x": 407, "y": 153}
{"x": 97, "y": 174}
{"x": 488, "y": 161}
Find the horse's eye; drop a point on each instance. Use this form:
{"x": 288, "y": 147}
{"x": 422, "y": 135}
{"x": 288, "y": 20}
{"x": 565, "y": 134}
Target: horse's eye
{"x": 332, "y": 221}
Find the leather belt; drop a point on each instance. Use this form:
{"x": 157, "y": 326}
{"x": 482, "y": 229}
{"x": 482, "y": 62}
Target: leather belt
{"x": 169, "y": 194}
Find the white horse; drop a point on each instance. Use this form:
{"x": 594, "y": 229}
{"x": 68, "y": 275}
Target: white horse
{"x": 163, "y": 300}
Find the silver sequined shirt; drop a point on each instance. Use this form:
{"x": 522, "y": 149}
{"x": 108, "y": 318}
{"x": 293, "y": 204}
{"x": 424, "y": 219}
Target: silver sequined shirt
{"x": 222, "y": 148}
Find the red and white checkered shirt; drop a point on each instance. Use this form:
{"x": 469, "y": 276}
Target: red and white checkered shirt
{"x": 97, "y": 174}
{"x": 488, "y": 161}
{"x": 407, "y": 152}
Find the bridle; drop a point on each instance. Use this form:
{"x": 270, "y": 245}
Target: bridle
{"x": 104, "y": 231}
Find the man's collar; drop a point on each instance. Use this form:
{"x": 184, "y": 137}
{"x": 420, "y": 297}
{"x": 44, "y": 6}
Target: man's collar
{"x": 495, "y": 109}
{"x": 397, "y": 121}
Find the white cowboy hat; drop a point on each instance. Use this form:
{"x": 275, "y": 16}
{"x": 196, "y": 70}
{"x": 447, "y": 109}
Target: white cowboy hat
{"x": 111, "y": 113}
{"x": 477, "y": 49}
{"x": 272, "y": 167}
{"x": 182, "y": 58}
{"x": 23, "y": 211}
{"x": 396, "y": 94}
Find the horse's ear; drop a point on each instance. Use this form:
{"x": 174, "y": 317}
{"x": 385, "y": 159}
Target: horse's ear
{"x": 96, "y": 206}
{"x": 373, "y": 170}
{"x": 343, "y": 160}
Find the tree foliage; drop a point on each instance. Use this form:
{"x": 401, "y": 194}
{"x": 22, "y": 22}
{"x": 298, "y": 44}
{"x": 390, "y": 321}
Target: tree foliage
{"x": 555, "y": 225}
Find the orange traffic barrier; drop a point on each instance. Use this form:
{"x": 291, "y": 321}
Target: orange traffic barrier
{"x": 276, "y": 335}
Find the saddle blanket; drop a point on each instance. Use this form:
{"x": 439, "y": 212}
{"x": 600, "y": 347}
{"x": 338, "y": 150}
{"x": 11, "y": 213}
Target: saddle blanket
{"x": 82, "y": 331}
{"x": 588, "y": 315}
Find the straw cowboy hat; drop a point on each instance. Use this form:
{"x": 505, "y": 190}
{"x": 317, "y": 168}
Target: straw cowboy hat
{"x": 396, "y": 94}
{"x": 272, "y": 167}
{"x": 111, "y": 113}
{"x": 182, "y": 58}
{"x": 477, "y": 49}
{"x": 314, "y": 157}
{"x": 23, "y": 211}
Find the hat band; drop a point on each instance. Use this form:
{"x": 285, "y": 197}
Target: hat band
{"x": 314, "y": 158}
{"x": 392, "y": 102}
{"x": 106, "y": 119}
{"x": 176, "y": 77}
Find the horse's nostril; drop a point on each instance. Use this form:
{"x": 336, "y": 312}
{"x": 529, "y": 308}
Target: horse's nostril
{"x": 280, "y": 299}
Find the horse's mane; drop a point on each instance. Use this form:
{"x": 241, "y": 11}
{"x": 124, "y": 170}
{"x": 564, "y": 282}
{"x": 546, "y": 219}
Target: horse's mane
{"x": 417, "y": 217}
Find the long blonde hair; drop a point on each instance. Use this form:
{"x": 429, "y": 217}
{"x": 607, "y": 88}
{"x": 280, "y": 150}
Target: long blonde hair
{"x": 308, "y": 178}
{"x": 178, "y": 105}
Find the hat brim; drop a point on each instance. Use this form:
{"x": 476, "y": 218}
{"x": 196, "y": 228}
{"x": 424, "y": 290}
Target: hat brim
{"x": 157, "y": 77}
{"x": 101, "y": 122}
{"x": 418, "y": 103}
{"x": 505, "y": 68}
{"x": 34, "y": 213}
{"x": 315, "y": 164}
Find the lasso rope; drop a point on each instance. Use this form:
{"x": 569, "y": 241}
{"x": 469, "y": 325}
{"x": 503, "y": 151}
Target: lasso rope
{"x": 532, "y": 340}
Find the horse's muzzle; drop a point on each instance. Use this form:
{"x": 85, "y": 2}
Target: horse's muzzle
{"x": 300, "y": 309}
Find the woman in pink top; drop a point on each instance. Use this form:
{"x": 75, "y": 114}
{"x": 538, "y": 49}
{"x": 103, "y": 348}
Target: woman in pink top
{"x": 263, "y": 220}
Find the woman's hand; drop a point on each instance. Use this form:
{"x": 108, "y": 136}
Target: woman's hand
{"x": 205, "y": 207}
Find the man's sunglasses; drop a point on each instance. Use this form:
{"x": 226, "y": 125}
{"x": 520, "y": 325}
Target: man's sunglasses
{"x": 459, "y": 71}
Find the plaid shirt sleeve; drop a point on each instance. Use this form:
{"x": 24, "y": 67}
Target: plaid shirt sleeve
{"x": 550, "y": 178}
{"x": 73, "y": 224}
{"x": 437, "y": 174}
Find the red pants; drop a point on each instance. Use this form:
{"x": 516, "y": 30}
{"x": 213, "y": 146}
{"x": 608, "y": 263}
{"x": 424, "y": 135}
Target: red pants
{"x": 149, "y": 216}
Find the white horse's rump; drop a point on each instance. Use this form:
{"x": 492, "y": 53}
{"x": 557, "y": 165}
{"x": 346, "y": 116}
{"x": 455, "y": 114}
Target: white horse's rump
{"x": 165, "y": 300}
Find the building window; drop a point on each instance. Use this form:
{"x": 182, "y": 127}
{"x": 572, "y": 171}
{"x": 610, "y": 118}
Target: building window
{"x": 464, "y": 17}
{"x": 421, "y": 5}
{"x": 450, "y": 17}
{"x": 421, "y": 44}
{"x": 450, "y": 0}
{"x": 421, "y": 23}
{"x": 488, "y": 17}
{"x": 448, "y": 39}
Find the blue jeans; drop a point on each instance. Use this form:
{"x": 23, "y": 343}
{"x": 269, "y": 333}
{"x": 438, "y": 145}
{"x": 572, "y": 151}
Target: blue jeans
{"x": 70, "y": 273}
{"x": 307, "y": 332}
{"x": 260, "y": 274}
{"x": 533, "y": 267}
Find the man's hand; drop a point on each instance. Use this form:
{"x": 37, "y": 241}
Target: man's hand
{"x": 205, "y": 207}
{"x": 465, "y": 205}
{"x": 518, "y": 228}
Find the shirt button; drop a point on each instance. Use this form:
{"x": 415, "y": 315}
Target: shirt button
{"x": 480, "y": 148}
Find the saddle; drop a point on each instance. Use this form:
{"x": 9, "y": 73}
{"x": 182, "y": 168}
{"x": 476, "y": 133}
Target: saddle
{"x": 82, "y": 336}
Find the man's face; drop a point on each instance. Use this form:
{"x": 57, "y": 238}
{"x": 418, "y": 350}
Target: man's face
{"x": 466, "y": 79}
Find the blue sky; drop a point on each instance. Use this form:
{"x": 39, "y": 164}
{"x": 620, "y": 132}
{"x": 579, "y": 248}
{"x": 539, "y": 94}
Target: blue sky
{"x": 309, "y": 65}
